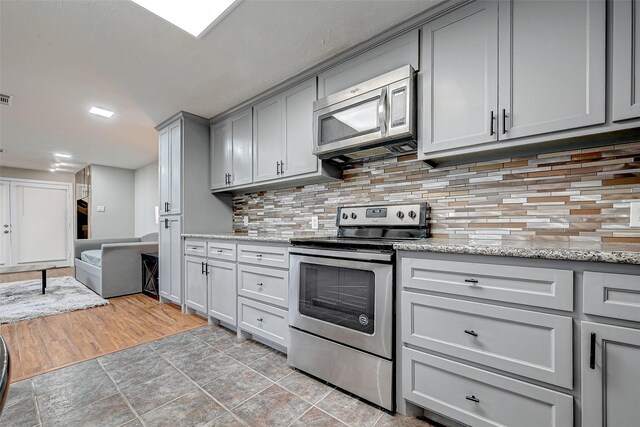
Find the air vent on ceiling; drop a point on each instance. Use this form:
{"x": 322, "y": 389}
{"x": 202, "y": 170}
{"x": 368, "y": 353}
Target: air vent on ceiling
{"x": 5, "y": 99}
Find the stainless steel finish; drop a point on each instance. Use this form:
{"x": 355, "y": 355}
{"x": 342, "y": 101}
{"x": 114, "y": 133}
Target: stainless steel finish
{"x": 346, "y": 255}
{"x": 378, "y": 88}
{"x": 392, "y": 218}
{"x": 363, "y": 374}
{"x": 381, "y": 341}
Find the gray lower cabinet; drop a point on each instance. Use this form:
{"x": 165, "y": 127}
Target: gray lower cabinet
{"x": 612, "y": 295}
{"x": 221, "y": 280}
{"x": 626, "y": 59}
{"x": 170, "y": 260}
{"x": 610, "y": 375}
{"x": 195, "y": 283}
{"x": 480, "y": 398}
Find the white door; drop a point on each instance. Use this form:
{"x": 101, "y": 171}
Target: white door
{"x": 267, "y": 139}
{"x": 298, "y": 129}
{"x": 165, "y": 165}
{"x": 170, "y": 258}
{"x": 222, "y": 291}
{"x": 460, "y": 78}
{"x": 552, "y": 66}
{"x": 626, "y": 59}
{"x": 5, "y": 225}
{"x": 195, "y": 283}
{"x": 610, "y": 375}
{"x": 40, "y": 223}
{"x": 175, "y": 167}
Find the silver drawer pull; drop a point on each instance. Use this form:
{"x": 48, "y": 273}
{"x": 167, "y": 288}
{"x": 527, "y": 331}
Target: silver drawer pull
{"x": 473, "y": 398}
{"x": 471, "y": 332}
{"x": 259, "y": 319}
{"x": 472, "y": 281}
{"x": 258, "y": 255}
{"x": 220, "y": 251}
{"x": 260, "y": 284}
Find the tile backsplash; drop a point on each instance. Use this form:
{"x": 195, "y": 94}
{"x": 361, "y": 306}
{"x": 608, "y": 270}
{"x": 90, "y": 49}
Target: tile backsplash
{"x": 579, "y": 195}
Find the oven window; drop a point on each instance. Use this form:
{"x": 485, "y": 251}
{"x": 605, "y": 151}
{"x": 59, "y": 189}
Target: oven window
{"x": 342, "y": 296}
{"x": 352, "y": 121}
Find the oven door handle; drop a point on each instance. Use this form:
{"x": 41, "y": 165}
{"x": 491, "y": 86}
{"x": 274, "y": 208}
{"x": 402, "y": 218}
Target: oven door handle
{"x": 355, "y": 255}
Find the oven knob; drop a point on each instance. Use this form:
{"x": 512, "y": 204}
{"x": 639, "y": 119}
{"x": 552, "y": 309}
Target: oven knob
{"x": 412, "y": 214}
{"x": 345, "y": 216}
{"x": 353, "y": 215}
{"x": 400, "y": 214}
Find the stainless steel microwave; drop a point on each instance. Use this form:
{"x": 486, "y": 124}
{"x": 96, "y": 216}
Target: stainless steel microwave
{"x": 376, "y": 118}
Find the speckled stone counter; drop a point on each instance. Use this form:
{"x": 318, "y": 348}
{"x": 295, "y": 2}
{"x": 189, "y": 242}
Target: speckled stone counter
{"x": 617, "y": 254}
{"x": 267, "y": 238}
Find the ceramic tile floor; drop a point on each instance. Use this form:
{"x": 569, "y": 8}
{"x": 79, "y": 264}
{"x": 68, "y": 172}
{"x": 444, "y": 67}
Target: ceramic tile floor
{"x": 203, "y": 377}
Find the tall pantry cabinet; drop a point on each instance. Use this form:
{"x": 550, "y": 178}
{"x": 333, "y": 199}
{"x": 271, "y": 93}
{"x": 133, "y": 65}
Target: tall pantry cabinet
{"x": 186, "y": 204}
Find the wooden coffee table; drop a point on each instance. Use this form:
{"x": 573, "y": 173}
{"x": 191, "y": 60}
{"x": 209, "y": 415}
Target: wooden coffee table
{"x": 28, "y": 268}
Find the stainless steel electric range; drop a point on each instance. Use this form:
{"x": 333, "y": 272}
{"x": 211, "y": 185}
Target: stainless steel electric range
{"x": 341, "y": 299}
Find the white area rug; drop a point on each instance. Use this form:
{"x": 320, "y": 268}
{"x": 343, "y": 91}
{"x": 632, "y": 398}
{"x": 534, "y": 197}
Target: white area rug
{"x": 24, "y": 300}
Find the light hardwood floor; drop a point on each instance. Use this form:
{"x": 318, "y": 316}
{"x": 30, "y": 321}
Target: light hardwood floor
{"x": 47, "y": 343}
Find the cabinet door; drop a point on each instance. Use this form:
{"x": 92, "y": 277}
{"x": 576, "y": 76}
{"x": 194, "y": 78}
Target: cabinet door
{"x": 267, "y": 139}
{"x": 626, "y": 59}
{"x": 175, "y": 167}
{"x": 611, "y": 379}
{"x": 170, "y": 258}
{"x": 220, "y": 162}
{"x": 552, "y": 66}
{"x": 195, "y": 283}
{"x": 164, "y": 161}
{"x": 242, "y": 148}
{"x": 222, "y": 291}
{"x": 298, "y": 129}
{"x": 460, "y": 78}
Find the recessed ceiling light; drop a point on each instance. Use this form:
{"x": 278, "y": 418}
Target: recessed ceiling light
{"x": 101, "y": 112}
{"x": 195, "y": 17}
{"x": 64, "y": 156}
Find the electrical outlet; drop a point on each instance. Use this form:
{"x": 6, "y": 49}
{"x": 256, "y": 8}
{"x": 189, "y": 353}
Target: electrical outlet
{"x": 314, "y": 222}
{"x": 245, "y": 221}
{"x": 100, "y": 208}
{"x": 634, "y": 214}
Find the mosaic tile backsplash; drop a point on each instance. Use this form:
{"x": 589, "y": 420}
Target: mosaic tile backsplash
{"x": 576, "y": 196}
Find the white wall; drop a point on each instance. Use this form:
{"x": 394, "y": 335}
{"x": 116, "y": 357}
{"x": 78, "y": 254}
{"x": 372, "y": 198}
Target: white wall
{"x": 146, "y": 199}
{"x": 114, "y": 189}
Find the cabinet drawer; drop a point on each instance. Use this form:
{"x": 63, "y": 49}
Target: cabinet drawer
{"x": 270, "y": 256}
{"x": 222, "y": 251}
{"x": 480, "y": 398}
{"x": 264, "y": 284}
{"x": 535, "y": 345}
{"x": 612, "y": 295}
{"x": 540, "y": 287}
{"x": 264, "y": 320}
{"x": 195, "y": 248}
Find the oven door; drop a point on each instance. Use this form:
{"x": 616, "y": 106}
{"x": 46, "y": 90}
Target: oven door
{"x": 344, "y": 300}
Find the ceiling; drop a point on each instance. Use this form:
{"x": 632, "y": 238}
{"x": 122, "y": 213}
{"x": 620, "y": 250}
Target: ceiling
{"x": 58, "y": 58}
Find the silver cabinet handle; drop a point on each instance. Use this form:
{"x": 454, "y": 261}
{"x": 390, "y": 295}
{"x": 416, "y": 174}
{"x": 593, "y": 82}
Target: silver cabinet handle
{"x": 260, "y": 284}
{"x": 259, "y": 319}
{"x": 258, "y": 255}
{"x": 471, "y": 332}
{"x": 473, "y": 398}
{"x": 219, "y": 251}
{"x": 472, "y": 281}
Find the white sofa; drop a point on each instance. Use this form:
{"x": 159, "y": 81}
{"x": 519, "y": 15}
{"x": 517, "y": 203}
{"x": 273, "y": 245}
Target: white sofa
{"x": 116, "y": 267}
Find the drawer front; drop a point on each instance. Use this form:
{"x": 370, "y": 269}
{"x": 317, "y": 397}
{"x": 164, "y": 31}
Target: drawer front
{"x": 264, "y": 320}
{"x": 269, "y": 256}
{"x": 535, "y": 345}
{"x": 221, "y": 250}
{"x": 539, "y": 287}
{"x": 612, "y": 295}
{"x": 195, "y": 248}
{"x": 264, "y": 284}
{"x": 480, "y": 398}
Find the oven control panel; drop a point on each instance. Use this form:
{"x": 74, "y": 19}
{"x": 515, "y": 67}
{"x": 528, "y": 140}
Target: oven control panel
{"x": 383, "y": 215}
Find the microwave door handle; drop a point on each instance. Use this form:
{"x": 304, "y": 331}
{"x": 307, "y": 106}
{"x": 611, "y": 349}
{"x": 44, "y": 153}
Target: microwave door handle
{"x": 382, "y": 112}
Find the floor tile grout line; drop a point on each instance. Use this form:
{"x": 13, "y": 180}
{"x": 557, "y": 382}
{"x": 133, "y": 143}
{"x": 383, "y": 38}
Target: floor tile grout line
{"x": 122, "y": 395}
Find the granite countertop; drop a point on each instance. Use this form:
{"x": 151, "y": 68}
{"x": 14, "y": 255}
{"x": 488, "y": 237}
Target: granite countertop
{"x": 251, "y": 237}
{"x": 589, "y": 252}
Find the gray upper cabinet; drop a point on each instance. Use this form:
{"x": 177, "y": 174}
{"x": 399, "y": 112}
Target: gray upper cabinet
{"x": 626, "y": 59}
{"x": 231, "y": 151}
{"x": 170, "y": 162}
{"x": 459, "y": 63}
{"x": 388, "y": 56}
{"x": 551, "y": 66}
{"x": 283, "y": 134}
{"x": 610, "y": 375}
